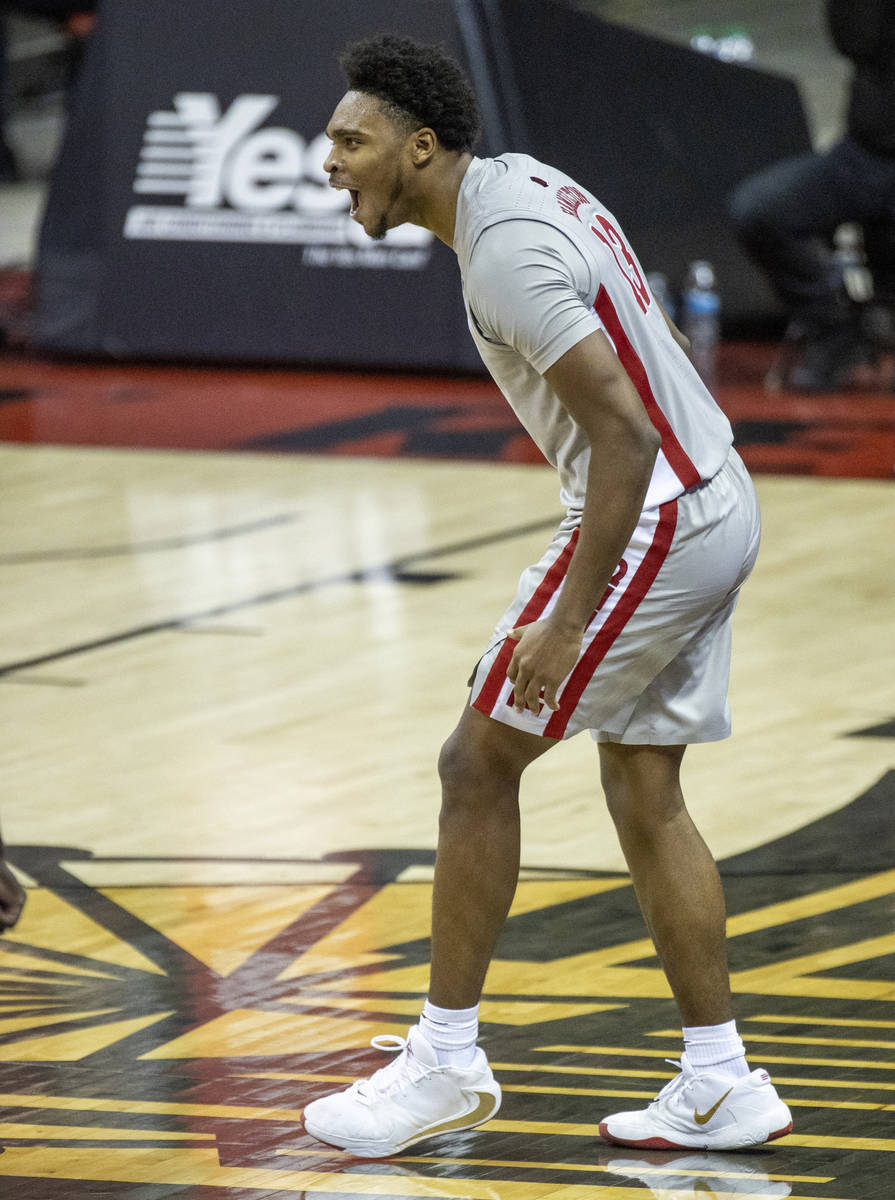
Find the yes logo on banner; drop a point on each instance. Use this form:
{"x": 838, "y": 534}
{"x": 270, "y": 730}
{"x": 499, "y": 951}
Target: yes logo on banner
{"x": 229, "y": 178}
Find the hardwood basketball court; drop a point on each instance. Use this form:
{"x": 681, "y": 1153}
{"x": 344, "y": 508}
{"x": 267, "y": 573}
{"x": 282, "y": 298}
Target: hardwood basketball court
{"x": 226, "y": 677}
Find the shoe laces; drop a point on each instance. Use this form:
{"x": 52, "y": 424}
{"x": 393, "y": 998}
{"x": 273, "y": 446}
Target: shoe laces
{"x": 679, "y": 1083}
{"x": 405, "y": 1069}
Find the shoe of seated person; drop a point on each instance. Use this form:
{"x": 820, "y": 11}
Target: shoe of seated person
{"x": 829, "y": 358}
{"x": 705, "y": 1110}
{"x": 411, "y": 1099}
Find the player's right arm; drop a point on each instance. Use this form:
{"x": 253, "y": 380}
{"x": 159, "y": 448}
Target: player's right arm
{"x": 594, "y": 388}
{"x": 527, "y": 285}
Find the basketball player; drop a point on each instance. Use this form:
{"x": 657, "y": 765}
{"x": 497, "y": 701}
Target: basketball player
{"x": 12, "y": 895}
{"x": 622, "y": 628}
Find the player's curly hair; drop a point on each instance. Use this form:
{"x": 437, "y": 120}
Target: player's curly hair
{"x": 420, "y": 83}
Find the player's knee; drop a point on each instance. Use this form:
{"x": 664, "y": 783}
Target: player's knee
{"x": 642, "y": 790}
{"x": 469, "y": 769}
{"x": 642, "y": 818}
{"x": 461, "y": 766}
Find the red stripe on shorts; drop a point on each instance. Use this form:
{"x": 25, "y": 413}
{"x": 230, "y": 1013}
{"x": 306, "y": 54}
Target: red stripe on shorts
{"x": 674, "y": 452}
{"x": 487, "y": 697}
{"x": 616, "y": 621}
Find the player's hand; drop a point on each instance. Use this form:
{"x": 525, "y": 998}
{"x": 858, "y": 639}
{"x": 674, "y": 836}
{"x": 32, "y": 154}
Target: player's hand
{"x": 12, "y": 898}
{"x": 543, "y": 657}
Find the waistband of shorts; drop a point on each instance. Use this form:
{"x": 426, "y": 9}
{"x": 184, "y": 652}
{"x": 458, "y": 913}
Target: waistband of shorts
{"x": 704, "y": 483}
{"x": 698, "y": 487}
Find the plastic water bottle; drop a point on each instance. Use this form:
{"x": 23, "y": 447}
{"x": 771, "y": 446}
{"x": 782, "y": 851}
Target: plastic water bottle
{"x": 851, "y": 263}
{"x": 701, "y": 319}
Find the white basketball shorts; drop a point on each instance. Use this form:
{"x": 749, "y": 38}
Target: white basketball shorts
{"x": 655, "y": 659}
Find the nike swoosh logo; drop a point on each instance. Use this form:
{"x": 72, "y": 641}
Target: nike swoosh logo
{"x": 486, "y": 1108}
{"x": 704, "y": 1118}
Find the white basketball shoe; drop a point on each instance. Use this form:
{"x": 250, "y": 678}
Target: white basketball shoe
{"x": 704, "y": 1110}
{"x": 410, "y": 1099}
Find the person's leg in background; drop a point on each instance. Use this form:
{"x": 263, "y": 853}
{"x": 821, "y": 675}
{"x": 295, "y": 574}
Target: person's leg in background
{"x": 76, "y": 20}
{"x": 785, "y": 218}
{"x": 8, "y": 169}
{"x": 879, "y": 247}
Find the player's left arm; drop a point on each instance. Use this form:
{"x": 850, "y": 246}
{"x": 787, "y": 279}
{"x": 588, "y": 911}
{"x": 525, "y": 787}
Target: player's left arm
{"x": 12, "y": 895}
{"x": 595, "y": 389}
{"x": 681, "y": 338}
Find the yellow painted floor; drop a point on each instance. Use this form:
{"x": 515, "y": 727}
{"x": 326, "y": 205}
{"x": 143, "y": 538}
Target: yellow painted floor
{"x": 225, "y": 680}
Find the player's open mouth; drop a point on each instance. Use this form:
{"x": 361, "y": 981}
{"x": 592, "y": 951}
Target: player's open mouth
{"x": 355, "y": 199}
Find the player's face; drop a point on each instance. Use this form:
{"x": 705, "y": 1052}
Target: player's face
{"x": 368, "y": 158}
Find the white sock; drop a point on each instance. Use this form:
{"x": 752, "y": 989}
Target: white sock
{"x": 716, "y": 1047}
{"x": 451, "y": 1032}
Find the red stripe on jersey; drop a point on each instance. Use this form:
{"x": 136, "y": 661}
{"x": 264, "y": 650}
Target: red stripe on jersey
{"x": 616, "y": 621}
{"x": 487, "y": 697}
{"x": 674, "y": 452}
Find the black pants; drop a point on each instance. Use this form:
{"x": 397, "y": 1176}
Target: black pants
{"x": 786, "y": 215}
{"x": 52, "y": 10}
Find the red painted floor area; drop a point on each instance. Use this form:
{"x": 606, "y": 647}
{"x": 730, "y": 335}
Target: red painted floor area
{"x": 200, "y": 408}
{"x": 847, "y": 434}
{"x": 850, "y": 433}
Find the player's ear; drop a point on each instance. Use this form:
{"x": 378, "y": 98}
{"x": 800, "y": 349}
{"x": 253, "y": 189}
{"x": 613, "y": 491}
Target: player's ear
{"x": 423, "y": 144}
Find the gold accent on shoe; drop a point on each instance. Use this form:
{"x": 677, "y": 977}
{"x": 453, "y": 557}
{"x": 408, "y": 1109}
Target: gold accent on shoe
{"x": 485, "y": 1108}
{"x": 704, "y": 1118}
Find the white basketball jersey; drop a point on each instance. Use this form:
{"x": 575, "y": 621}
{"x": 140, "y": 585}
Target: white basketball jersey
{"x": 543, "y": 265}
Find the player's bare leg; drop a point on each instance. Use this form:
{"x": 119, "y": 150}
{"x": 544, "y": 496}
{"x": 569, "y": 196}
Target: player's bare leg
{"x": 710, "y": 1105}
{"x": 477, "y": 864}
{"x": 674, "y": 876}
{"x": 432, "y": 1087}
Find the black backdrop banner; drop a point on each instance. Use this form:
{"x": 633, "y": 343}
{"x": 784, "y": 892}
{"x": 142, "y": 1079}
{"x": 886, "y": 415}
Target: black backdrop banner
{"x": 659, "y": 132}
{"x": 189, "y": 216}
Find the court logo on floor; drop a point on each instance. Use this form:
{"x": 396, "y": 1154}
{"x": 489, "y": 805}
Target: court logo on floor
{"x": 165, "y": 1021}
